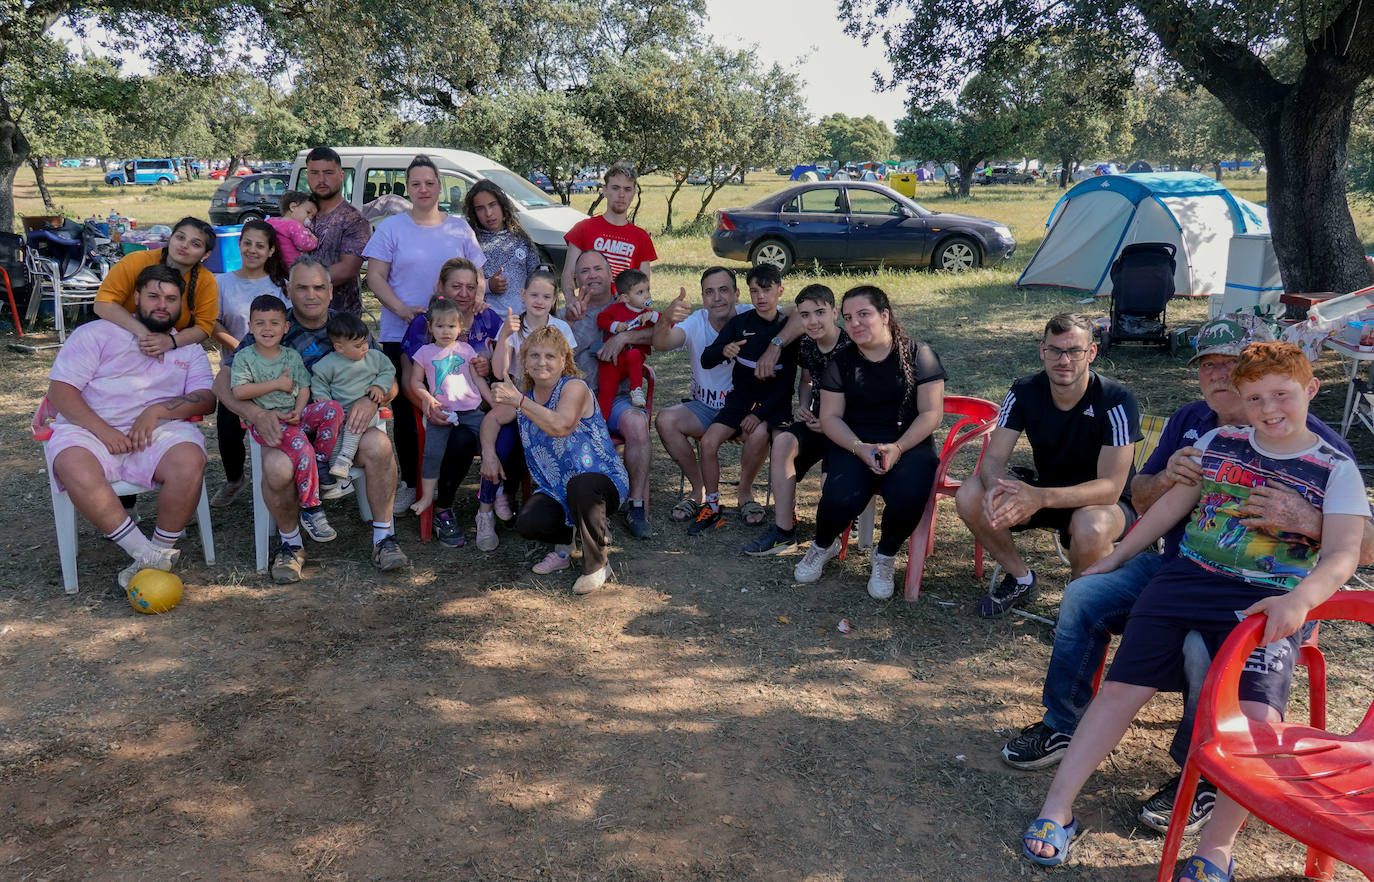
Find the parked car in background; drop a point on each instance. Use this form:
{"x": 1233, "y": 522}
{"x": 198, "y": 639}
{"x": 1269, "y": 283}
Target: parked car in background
{"x": 373, "y": 173}
{"x": 70, "y": 163}
{"x": 1005, "y": 174}
{"x": 159, "y": 172}
{"x": 541, "y": 180}
{"x": 240, "y": 172}
{"x": 274, "y": 168}
{"x": 853, "y": 223}
{"x": 252, "y": 197}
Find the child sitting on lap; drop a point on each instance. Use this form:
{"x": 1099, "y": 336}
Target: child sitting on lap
{"x": 354, "y": 370}
{"x": 275, "y": 378}
{"x": 293, "y": 227}
{"x": 629, "y": 313}
{"x": 1225, "y": 571}
{"x": 452, "y": 394}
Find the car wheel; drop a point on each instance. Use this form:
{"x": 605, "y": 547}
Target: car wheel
{"x": 773, "y": 251}
{"x": 956, "y": 255}
{"x": 249, "y": 216}
{"x": 162, "y": 182}
{"x": 116, "y": 182}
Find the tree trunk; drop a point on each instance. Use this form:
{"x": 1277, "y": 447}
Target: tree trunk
{"x": 14, "y": 149}
{"x": 1314, "y": 235}
{"x": 639, "y": 197}
{"x": 233, "y": 167}
{"x": 1065, "y": 171}
{"x": 668, "y": 224}
{"x": 1216, "y": 168}
{"x": 591, "y": 209}
{"x": 966, "y": 168}
{"x": 712, "y": 188}
{"x": 36, "y": 163}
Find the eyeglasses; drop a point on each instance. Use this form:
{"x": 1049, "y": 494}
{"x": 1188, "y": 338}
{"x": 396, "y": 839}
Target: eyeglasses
{"x": 1054, "y": 353}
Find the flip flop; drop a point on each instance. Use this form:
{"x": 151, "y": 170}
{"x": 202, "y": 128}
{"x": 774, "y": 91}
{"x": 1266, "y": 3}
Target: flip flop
{"x": 753, "y": 513}
{"x": 685, "y": 509}
{"x": 1049, "y": 832}
{"x": 1204, "y": 870}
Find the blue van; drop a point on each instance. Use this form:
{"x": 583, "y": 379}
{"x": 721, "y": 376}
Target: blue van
{"x": 143, "y": 171}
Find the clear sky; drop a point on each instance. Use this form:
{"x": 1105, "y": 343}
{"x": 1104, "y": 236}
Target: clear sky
{"x": 837, "y": 68}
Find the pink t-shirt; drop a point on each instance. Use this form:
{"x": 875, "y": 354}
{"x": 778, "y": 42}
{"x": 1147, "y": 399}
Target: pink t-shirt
{"x": 102, "y": 360}
{"x": 448, "y": 373}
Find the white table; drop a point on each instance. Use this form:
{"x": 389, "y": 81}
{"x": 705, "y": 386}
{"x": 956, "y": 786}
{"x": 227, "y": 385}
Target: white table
{"x": 1352, "y": 359}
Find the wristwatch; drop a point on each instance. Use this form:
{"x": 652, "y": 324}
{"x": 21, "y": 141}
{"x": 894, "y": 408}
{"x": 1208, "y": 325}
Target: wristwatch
{"x": 776, "y": 341}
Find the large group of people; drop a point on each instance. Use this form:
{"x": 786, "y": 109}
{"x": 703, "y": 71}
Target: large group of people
{"x": 472, "y": 354}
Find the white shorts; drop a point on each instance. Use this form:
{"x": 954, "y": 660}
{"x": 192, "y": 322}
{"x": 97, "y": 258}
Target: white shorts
{"x": 135, "y": 468}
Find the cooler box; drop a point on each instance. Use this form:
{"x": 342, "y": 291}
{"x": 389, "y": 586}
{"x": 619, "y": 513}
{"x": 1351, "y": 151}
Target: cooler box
{"x": 904, "y": 184}
{"x": 226, "y": 257}
{"x": 1253, "y": 283}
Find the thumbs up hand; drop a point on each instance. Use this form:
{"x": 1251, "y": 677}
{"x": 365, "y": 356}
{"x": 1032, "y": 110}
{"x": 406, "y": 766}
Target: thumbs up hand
{"x": 505, "y": 393}
{"x": 678, "y": 309}
{"x": 512, "y": 324}
{"x": 496, "y": 282}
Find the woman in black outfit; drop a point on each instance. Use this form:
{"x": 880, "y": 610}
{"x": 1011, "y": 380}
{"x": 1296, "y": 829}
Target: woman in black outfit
{"x": 881, "y": 401}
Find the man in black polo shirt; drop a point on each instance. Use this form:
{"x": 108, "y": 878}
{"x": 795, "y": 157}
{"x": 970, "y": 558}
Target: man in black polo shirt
{"x": 1082, "y": 429}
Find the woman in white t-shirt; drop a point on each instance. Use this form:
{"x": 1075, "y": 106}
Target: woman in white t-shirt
{"x": 404, "y": 257}
{"x": 263, "y": 272}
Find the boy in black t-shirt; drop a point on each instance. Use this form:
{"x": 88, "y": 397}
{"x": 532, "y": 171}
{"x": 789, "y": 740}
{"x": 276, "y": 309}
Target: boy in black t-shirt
{"x": 1082, "y": 429}
{"x": 801, "y": 444}
{"x": 753, "y": 405}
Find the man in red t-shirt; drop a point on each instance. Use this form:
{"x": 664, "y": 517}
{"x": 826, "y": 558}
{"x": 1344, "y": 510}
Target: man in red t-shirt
{"x": 625, "y": 245}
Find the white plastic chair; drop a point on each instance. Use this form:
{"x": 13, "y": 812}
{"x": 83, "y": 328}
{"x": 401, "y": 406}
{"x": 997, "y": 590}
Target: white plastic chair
{"x": 48, "y": 284}
{"x": 64, "y": 512}
{"x": 262, "y": 518}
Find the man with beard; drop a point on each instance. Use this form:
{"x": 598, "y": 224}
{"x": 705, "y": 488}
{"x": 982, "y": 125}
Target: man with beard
{"x": 342, "y": 230}
{"x": 122, "y": 417}
{"x": 1082, "y": 428}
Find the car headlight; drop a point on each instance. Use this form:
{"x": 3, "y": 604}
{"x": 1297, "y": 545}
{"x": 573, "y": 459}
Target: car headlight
{"x": 1003, "y": 233}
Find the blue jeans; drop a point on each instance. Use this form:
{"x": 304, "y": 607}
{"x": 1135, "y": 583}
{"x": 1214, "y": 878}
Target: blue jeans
{"x": 1093, "y": 609}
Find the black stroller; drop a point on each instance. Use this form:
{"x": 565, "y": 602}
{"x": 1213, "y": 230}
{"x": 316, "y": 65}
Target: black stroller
{"x": 1142, "y": 283}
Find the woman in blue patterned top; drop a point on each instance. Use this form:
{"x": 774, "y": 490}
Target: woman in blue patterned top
{"x": 511, "y": 253}
{"x": 577, "y": 475}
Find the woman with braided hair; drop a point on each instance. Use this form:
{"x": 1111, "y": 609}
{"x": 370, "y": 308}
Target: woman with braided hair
{"x": 191, "y": 240}
{"x": 881, "y": 401}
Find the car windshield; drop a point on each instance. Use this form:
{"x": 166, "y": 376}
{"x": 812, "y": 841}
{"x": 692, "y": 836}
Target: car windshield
{"x": 516, "y": 187}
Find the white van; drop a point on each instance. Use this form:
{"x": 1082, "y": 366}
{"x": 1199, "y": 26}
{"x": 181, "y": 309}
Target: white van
{"x": 372, "y": 173}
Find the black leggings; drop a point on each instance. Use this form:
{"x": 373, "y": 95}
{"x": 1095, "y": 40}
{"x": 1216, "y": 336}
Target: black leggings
{"x": 849, "y": 485}
{"x": 403, "y": 423}
{"x": 590, "y": 496}
{"x": 463, "y": 447}
{"x": 230, "y": 435}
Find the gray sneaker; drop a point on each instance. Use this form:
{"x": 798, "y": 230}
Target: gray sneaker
{"x": 157, "y": 558}
{"x": 287, "y": 563}
{"x": 387, "y": 555}
{"x": 1159, "y": 808}
{"x": 315, "y": 525}
{"x": 334, "y": 488}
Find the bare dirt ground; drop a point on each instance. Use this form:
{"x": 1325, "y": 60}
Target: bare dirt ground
{"x": 704, "y": 720}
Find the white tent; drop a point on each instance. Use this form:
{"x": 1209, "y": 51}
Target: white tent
{"x": 1097, "y": 218}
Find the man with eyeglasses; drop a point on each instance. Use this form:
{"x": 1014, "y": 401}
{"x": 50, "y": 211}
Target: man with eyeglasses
{"x": 1095, "y": 607}
{"x": 1082, "y": 429}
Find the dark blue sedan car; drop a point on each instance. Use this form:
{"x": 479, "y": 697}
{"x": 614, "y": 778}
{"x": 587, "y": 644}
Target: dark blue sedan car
{"x": 853, "y": 223}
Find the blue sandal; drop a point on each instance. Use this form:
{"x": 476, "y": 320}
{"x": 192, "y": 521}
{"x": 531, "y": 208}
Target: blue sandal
{"x": 1047, "y": 831}
{"x": 1204, "y": 870}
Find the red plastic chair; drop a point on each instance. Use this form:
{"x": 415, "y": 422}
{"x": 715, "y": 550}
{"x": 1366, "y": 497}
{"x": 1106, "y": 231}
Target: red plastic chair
{"x": 1316, "y": 786}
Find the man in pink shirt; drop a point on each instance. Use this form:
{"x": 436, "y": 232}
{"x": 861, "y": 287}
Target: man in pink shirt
{"x": 122, "y": 417}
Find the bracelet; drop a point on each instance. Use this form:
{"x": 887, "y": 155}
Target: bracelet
{"x": 172, "y": 337}
{"x": 520, "y": 406}
{"x": 854, "y": 448}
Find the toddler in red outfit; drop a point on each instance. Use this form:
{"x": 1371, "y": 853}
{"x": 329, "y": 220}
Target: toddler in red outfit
{"x": 629, "y": 313}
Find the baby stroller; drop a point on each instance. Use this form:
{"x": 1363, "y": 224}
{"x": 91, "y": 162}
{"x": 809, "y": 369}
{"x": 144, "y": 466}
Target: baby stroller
{"x": 1142, "y": 283}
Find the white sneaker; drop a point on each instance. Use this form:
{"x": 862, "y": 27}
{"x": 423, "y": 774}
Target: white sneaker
{"x": 637, "y": 398}
{"x": 486, "y": 531}
{"x": 589, "y": 582}
{"x": 880, "y": 583}
{"x": 157, "y": 558}
{"x": 405, "y": 498}
{"x": 341, "y": 467}
{"x": 810, "y": 566}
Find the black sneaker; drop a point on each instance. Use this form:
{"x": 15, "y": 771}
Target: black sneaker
{"x": 447, "y": 529}
{"x": 707, "y": 518}
{"x": 775, "y": 541}
{"x": 1159, "y": 808}
{"x": 1004, "y": 596}
{"x": 1036, "y": 747}
{"x": 637, "y": 520}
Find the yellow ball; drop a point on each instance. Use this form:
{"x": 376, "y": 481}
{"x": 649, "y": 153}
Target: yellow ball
{"x": 154, "y": 591}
